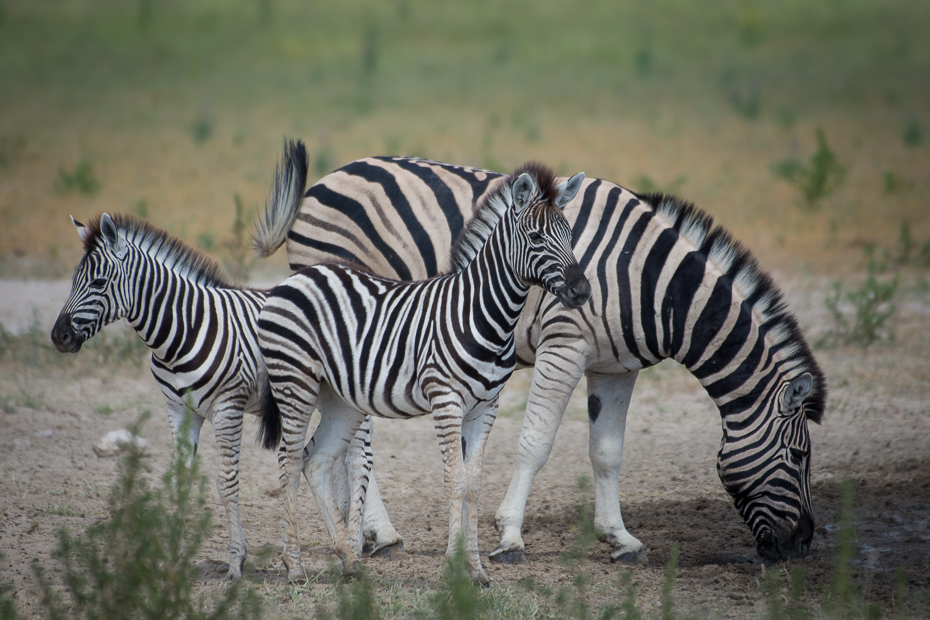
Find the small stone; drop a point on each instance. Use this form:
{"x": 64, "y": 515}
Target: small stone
{"x": 116, "y": 442}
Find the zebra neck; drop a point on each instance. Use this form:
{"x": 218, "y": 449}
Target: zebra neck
{"x": 168, "y": 310}
{"x": 494, "y": 289}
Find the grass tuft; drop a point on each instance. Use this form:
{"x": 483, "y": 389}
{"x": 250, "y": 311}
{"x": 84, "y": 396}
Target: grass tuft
{"x": 818, "y": 177}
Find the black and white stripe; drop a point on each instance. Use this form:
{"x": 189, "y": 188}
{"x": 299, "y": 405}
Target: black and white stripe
{"x": 397, "y": 349}
{"x": 667, "y": 284}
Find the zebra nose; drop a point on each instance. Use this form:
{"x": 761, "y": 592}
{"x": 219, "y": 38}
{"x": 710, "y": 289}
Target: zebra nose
{"x": 577, "y": 288}
{"x": 63, "y": 336}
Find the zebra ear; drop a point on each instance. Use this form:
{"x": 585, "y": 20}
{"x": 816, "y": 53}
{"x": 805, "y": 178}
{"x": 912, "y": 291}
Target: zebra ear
{"x": 110, "y": 232}
{"x": 568, "y": 190}
{"x": 796, "y": 392}
{"x": 523, "y": 189}
{"x": 80, "y": 228}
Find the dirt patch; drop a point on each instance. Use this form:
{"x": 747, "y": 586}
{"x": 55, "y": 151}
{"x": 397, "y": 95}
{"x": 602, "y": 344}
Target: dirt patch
{"x": 877, "y": 432}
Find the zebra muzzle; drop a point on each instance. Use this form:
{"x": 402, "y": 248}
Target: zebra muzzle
{"x": 577, "y": 290}
{"x": 65, "y": 339}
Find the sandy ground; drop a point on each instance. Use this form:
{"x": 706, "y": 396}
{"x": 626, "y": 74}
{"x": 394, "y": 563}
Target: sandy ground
{"x": 877, "y": 432}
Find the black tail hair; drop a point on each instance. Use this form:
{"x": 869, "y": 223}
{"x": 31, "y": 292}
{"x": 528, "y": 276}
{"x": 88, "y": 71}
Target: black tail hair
{"x": 269, "y": 427}
{"x": 284, "y": 199}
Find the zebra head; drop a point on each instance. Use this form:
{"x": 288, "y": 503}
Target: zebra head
{"x": 764, "y": 464}
{"x": 100, "y": 293}
{"x": 542, "y": 243}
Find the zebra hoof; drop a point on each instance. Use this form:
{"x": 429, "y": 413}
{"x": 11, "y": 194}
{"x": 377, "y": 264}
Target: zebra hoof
{"x": 296, "y": 576}
{"x": 481, "y": 578}
{"x": 629, "y": 557}
{"x": 511, "y": 556}
{"x": 393, "y": 551}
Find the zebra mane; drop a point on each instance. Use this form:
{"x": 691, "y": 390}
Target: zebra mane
{"x": 492, "y": 209}
{"x": 757, "y": 288}
{"x": 164, "y": 247}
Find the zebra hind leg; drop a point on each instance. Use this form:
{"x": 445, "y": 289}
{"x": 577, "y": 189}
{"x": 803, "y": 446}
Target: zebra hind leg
{"x": 295, "y": 409}
{"x": 331, "y": 441}
{"x": 227, "y": 430}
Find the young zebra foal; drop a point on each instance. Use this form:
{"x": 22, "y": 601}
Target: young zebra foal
{"x": 398, "y": 350}
{"x": 202, "y": 331}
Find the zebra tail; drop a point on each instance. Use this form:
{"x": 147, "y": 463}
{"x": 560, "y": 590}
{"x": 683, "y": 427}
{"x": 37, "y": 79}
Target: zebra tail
{"x": 269, "y": 427}
{"x": 283, "y": 202}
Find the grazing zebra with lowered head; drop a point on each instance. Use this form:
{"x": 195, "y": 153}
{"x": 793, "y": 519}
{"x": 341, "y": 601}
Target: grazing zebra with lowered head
{"x": 404, "y": 349}
{"x": 666, "y": 284}
{"x": 202, "y": 332}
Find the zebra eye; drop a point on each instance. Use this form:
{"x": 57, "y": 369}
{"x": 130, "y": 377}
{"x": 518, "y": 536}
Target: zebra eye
{"x": 535, "y": 237}
{"x": 98, "y": 283}
{"x": 795, "y": 456}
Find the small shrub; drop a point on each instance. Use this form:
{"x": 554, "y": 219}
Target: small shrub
{"x": 668, "y": 586}
{"x": 818, "y": 178}
{"x": 355, "y": 600}
{"x": 872, "y": 307}
{"x": 80, "y": 179}
{"x": 459, "y": 598}
{"x": 201, "y": 130}
{"x": 895, "y": 184}
{"x": 139, "y": 561}
{"x": 913, "y": 133}
{"x": 643, "y": 61}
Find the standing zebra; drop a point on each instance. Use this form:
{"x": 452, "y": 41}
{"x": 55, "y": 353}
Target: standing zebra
{"x": 405, "y": 349}
{"x": 666, "y": 284}
{"x": 202, "y": 333}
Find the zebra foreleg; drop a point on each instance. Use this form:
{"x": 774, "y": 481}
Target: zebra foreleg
{"x": 227, "y": 430}
{"x": 553, "y": 383}
{"x": 476, "y": 426}
{"x": 608, "y": 403}
{"x": 447, "y": 420}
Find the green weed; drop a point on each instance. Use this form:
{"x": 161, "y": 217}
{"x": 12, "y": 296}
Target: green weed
{"x": 895, "y": 184}
{"x": 139, "y": 561}
{"x": 872, "y": 307}
{"x": 202, "y": 129}
{"x": 355, "y": 600}
{"x": 459, "y": 598}
{"x": 80, "y": 179}
{"x": 240, "y": 259}
{"x": 816, "y": 179}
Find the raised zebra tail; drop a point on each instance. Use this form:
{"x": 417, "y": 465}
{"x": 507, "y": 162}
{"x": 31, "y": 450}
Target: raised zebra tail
{"x": 283, "y": 203}
{"x": 269, "y": 427}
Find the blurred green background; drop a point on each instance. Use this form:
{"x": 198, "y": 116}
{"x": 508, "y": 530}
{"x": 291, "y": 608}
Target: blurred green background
{"x": 172, "y": 109}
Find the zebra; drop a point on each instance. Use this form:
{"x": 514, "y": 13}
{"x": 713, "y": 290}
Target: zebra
{"x": 666, "y": 283}
{"x": 201, "y": 329}
{"x": 404, "y": 349}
